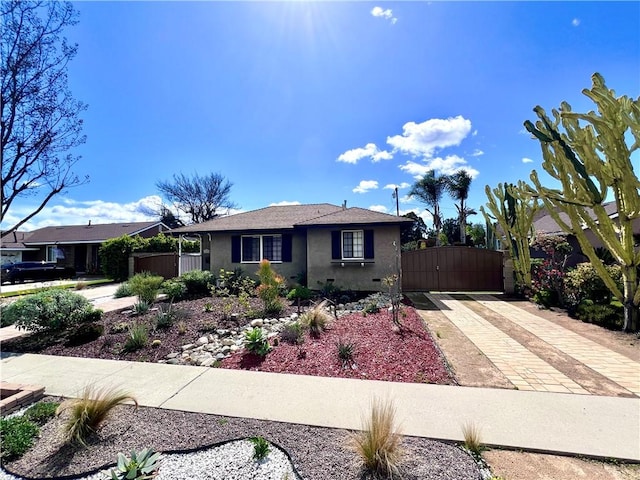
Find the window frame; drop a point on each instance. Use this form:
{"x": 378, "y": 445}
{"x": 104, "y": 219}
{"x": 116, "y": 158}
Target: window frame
{"x": 261, "y": 247}
{"x": 342, "y": 244}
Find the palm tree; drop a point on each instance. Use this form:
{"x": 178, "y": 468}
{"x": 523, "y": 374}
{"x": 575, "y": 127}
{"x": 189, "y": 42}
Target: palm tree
{"x": 457, "y": 184}
{"x": 429, "y": 190}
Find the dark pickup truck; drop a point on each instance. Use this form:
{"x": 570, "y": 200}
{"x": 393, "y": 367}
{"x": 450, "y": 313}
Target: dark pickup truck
{"x": 21, "y": 271}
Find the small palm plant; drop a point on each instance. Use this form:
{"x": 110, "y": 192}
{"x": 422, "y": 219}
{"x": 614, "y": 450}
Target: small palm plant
{"x": 89, "y": 411}
{"x": 379, "y": 443}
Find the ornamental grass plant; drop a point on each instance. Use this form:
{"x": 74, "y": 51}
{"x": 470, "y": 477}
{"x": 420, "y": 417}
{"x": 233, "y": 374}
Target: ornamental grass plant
{"x": 379, "y": 444}
{"x": 89, "y": 411}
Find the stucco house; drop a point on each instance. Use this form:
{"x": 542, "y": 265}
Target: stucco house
{"x": 545, "y": 224}
{"x": 72, "y": 245}
{"x": 350, "y": 247}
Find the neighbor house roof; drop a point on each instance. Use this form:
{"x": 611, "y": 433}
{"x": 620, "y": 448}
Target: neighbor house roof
{"x": 544, "y": 223}
{"x": 286, "y": 217}
{"x": 15, "y": 241}
{"x": 97, "y": 233}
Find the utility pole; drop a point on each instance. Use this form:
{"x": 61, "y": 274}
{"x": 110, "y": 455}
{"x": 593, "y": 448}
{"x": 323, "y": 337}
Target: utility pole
{"x": 395, "y": 195}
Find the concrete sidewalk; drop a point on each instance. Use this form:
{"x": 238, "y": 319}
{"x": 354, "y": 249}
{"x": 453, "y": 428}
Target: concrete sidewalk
{"x": 542, "y": 421}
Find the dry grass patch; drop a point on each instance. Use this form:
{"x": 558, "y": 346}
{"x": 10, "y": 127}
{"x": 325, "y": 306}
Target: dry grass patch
{"x": 472, "y": 438}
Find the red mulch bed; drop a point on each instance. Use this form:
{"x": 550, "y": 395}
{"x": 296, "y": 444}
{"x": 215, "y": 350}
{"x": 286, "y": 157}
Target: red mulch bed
{"x": 406, "y": 355}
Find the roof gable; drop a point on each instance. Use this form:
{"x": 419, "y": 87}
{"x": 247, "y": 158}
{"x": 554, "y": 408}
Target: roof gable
{"x": 97, "y": 233}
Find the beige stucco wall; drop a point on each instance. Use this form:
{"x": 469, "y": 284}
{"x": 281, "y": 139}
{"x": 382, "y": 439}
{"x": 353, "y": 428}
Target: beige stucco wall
{"x": 220, "y": 251}
{"x": 353, "y": 276}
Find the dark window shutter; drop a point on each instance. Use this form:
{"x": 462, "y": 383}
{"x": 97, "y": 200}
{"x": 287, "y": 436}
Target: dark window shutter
{"x": 287, "y": 247}
{"x": 235, "y": 249}
{"x": 336, "y": 244}
{"x": 368, "y": 244}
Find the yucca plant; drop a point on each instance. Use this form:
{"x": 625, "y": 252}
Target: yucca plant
{"x": 89, "y": 411}
{"x": 142, "y": 465}
{"x": 379, "y": 443}
{"x": 316, "y": 319}
{"x": 346, "y": 351}
{"x": 137, "y": 339}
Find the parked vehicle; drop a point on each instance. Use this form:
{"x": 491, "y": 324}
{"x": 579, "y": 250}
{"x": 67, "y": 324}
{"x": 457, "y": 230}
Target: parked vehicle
{"x": 21, "y": 271}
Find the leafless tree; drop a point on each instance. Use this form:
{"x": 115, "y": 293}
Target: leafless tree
{"x": 40, "y": 118}
{"x": 199, "y": 197}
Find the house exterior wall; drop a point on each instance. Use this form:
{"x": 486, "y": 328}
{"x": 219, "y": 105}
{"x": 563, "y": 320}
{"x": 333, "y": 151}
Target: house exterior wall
{"x": 220, "y": 254}
{"x": 353, "y": 275}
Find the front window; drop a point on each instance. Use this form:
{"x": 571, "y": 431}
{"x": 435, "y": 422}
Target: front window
{"x": 352, "y": 244}
{"x": 259, "y": 247}
{"x": 54, "y": 253}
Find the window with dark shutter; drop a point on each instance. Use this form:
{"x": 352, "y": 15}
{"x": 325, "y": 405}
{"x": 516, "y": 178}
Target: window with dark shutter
{"x": 368, "y": 244}
{"x": 336, "y": 241}
{"x": 235, "y": 249}
{"x": 287, "y": 247}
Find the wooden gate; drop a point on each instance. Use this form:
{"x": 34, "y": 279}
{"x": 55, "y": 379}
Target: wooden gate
{"x": 163, "y": 264}
{"x": 462, "y": 269}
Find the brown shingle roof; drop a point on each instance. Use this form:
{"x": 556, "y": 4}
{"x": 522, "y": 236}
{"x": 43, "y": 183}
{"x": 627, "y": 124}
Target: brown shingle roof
{"x": 87, "y": 233}
{"x": 15, "y": 241}
{"x": 546, "y": 224}
{"x": 290, "y": 216}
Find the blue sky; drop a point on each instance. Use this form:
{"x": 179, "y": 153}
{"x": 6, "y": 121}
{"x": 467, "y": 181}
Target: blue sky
{"x": 303, "y": 102}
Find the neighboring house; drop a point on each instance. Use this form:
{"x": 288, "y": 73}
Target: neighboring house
{"x": 350, "y": 247}
{"x": 545, "y": 224}
{"x": 75, "y": 245}
{"x": 13, "y": 249}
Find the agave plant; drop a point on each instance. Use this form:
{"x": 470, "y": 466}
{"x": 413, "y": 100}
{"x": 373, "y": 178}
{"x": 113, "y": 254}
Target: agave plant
{"x": 142, "y": 465}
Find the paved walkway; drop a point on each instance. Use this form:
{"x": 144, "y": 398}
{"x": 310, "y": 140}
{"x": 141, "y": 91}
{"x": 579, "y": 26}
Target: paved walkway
{"x": 616, "y": 367}
{"x": 523, "y": 369}
{"x": 574, "y": 424}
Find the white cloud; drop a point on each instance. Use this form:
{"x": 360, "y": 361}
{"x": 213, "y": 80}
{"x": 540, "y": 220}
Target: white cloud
{"x": 575, "y": 22}
{"x": 379, "y": 208}
{"x": 370, "y": 150}
{"x": 406, "y": 199}
{"x": 365, "y": 186}
{"x": 73, "y": 212}
{"x": 445, "y": 166}
{"x": 423, "y": 139}
{"x": 527, "y": 160}
{"x": 393, "y": 186}
{"x": 284, "y": 203}
{"x": 384, "y": 13}
{"x": 477, "y": 153}
{"x": 422, "y": 213}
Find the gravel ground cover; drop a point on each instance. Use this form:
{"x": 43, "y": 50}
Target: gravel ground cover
{"x": 316, "y": 453}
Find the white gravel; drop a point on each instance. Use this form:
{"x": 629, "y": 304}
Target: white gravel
{"x": 230, "y": 460}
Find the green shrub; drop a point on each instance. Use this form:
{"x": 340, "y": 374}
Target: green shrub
{"x": 114, "y": 256}
{"x": 41, "y": 412}
{"x": 174, "y": 289}
{"x": 233, "y": 283}
{"x": 299, "y": 293}
{"x": 84, "y": 333}
{"x": 546, "y": 298}
{"x": 609, "y": 315}
{"x": 123, "y": 290}
{"x": 137, "y": 339}
{"x": 261, "y": 448}
{"x": 197, "y": 282}
{"x": 256, "y": 342}
{"x": 371, "y": 307}
{"x": 146, "y": 285}
{"x": 583, "y": 283}
{"x": 18, "y": 435}
{"x": 50, "y": 311}
{"x": 292, "y": 333}
{"x": 141, "y": 465}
